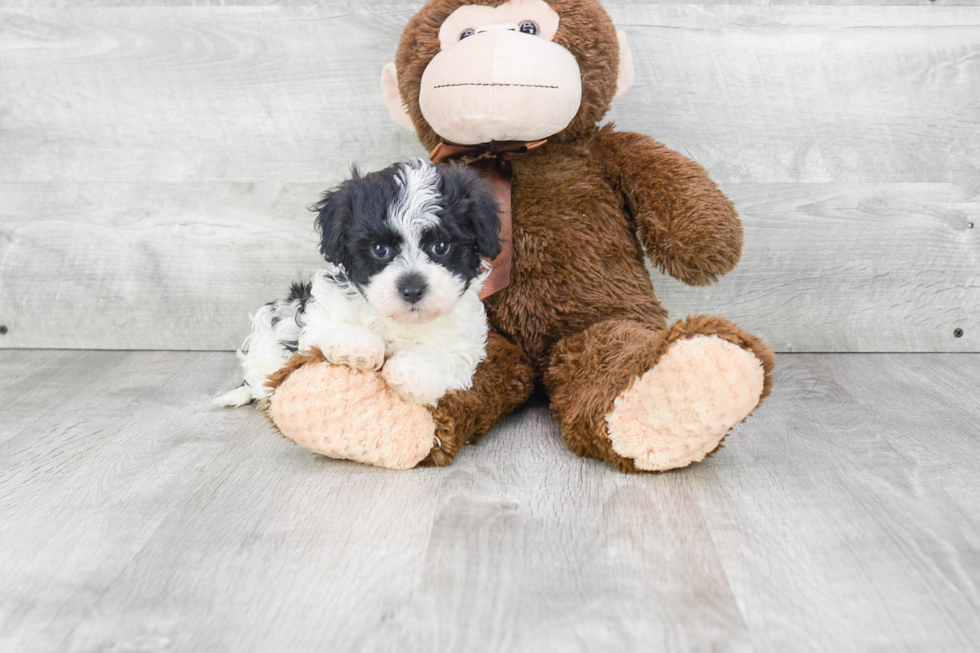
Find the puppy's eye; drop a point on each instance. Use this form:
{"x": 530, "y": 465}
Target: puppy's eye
{"x": 530, "y": 27}
{"x": 381, "y": 251}
{"x": 440, "y": 249}
{"x": 467, "y": 33}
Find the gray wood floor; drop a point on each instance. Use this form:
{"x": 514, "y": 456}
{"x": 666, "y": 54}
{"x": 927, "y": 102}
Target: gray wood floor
{"x": 134, "y": 517}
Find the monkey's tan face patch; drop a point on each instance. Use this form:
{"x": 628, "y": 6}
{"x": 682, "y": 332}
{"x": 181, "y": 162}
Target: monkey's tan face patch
{"x": 515, "y": 12}
{"x": 501, "y": 85}
{"x": 500, "y": 76}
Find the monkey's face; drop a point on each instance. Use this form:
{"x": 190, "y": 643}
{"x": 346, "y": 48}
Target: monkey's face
{"x": 506, "y": 71}
{"x": 499, "y": 76}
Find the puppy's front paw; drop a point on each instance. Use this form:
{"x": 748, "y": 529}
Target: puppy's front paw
{"x": 412, "y": 379}
{"x": 364, "y": 352}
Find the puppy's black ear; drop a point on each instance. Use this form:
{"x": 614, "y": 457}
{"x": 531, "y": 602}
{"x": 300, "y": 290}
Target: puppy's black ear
{"x": 485, "y": 216}
{"x": 333, "y": 215}
{"x": 466, "y": 189}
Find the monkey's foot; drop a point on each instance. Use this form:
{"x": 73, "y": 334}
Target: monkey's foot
{"x": 680, "y": 410}
{"x": 337, "y": 412}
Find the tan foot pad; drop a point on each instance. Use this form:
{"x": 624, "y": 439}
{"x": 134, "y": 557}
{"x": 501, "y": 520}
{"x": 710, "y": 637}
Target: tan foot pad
{"x": 678, "y": 412}
{"x": 337, "y": 412}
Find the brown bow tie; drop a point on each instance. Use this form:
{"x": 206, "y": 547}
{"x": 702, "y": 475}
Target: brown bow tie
{"x": 493, "y": 161}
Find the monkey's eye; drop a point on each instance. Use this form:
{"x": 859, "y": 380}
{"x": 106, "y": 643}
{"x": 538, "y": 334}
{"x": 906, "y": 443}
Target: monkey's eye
{"x": 530, "y": 27}
{"x": 467, "y": 33}
{"x": 440, "y": 249}
{"x": 381, "y": 251}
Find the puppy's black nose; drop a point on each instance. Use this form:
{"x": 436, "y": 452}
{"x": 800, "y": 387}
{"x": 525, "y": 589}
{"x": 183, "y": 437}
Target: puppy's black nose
{"x": 412, "y": 288}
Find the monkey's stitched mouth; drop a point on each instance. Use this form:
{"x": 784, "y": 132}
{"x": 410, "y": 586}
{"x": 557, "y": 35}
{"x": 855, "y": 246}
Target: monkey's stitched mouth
{"x": 496, "y": 84}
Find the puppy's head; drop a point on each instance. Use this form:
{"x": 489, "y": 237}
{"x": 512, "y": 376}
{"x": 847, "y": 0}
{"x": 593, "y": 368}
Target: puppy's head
{"x": 410, "y": 237}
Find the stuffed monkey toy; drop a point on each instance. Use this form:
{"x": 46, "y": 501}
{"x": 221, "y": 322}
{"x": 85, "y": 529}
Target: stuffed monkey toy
{"x": 519, "y": 87}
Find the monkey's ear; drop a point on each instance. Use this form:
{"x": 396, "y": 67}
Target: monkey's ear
{"x": 627, "y": 72}
{"x": 393, "y": 98}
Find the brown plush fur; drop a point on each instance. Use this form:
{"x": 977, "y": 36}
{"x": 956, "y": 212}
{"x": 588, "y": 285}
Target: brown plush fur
{"x": 580, "y": 313}
{"x": 503, "y": 382}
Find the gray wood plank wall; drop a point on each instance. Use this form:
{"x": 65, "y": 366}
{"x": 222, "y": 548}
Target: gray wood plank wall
{"x": 156, "y": 159}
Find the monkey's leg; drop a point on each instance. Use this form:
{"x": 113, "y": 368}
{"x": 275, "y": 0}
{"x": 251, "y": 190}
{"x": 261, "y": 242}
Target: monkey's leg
{"x": 502, "y": 383}
{"x": 644, "y": 399}
{"x": 337, "y": 412}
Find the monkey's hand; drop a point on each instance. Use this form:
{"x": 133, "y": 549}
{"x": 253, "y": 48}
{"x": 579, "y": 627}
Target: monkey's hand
{"x": 688, "y": 227}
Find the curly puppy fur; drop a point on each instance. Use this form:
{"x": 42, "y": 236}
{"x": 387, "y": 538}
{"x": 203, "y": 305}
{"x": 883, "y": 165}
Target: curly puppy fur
{"x": 404, "y": 252}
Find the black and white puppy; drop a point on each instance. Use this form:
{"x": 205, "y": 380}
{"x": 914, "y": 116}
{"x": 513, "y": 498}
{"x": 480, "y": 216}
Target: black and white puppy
{"x": 405, "y": 250}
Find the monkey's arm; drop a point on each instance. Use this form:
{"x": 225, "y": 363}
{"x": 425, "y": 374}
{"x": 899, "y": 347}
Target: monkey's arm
{"x": 688, "y": 227}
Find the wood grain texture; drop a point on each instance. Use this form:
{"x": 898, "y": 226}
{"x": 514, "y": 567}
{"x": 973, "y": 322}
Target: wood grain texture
{"x": 859, "y": 267}
{"x": 842, "y": 517}
{"x": 158, "y": 160}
